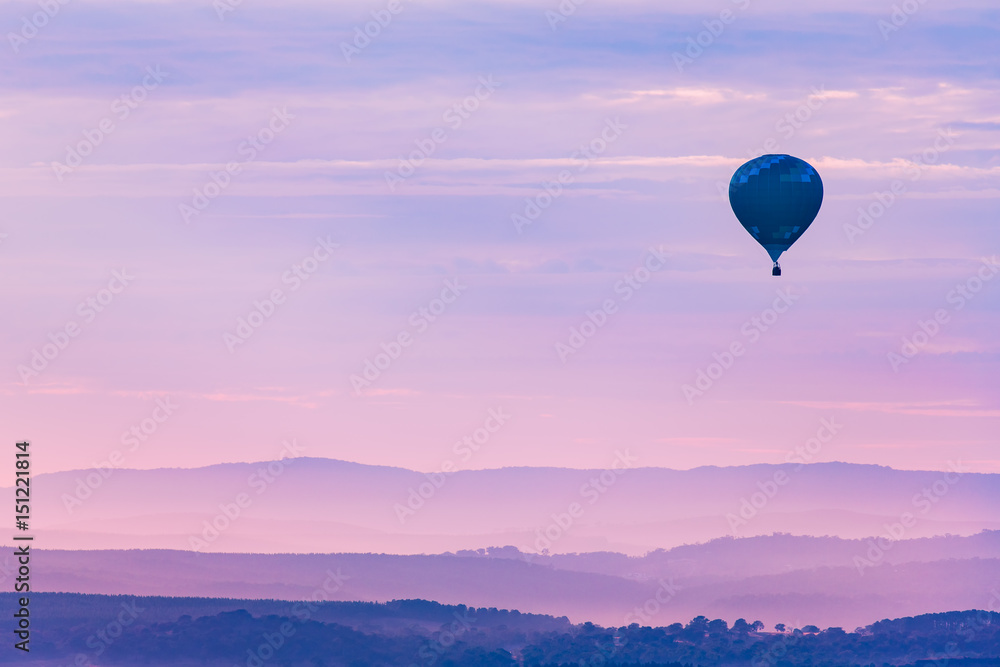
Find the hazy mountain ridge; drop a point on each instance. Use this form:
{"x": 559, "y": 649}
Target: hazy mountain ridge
{"x": 606, "y": 588}
{"x": 750, "y": 556}
{"x": 323, "y": 505}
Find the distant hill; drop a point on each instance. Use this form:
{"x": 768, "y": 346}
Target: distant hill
{"x": 323, "y": 505}
{"x": 771, "y": 554}
{"x": 192, "y": 632}
{"x": 779, "y": 578}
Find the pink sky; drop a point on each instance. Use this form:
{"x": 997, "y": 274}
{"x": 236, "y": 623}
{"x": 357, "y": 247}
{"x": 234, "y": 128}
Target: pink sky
{"x": 915, "y": 107}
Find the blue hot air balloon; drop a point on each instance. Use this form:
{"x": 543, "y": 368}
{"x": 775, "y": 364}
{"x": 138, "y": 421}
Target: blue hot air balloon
{"x": 776, "y": 198}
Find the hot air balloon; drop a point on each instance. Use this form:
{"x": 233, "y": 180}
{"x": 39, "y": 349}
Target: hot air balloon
{"x": 776, "y": 198}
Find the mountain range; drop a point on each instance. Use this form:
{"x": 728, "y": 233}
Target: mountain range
{"x": 776, "y": 579}
{"x": 323, "y": 505}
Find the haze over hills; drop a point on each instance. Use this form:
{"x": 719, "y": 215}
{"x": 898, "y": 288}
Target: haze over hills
{"x": 781, "y": 578}
{"x": 324, "y": 505}
{"x": 174, "y": 631}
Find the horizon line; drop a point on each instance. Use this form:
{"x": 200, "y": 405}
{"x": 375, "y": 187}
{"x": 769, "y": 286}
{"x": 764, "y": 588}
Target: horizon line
{"x": 511, "y": 467}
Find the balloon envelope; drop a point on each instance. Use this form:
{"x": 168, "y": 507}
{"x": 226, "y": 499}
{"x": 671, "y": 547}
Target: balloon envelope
{"x": 776, "y": 198}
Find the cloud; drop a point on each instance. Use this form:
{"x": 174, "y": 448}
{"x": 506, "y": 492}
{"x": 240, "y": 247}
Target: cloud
{"x": 964, "y": 408}
{"x": 985, "y": 126}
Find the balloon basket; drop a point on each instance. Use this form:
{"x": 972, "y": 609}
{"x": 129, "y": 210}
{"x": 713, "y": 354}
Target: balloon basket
{"x": 776, "y": 270}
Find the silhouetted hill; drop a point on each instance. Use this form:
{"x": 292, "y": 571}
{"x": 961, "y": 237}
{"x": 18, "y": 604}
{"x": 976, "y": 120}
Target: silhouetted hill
{"x": 321, "y": 505}
{"x": 777, "y": 579}
{"x": 743, "y": 557}
{"x": 107, "y": 630}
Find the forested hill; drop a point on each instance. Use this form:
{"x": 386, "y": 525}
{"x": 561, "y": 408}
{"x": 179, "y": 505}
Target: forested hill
{"x": 123, "y": 630}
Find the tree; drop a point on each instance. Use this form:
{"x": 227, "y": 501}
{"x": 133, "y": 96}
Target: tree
{"x": 698, "y": 624}
{"x": 718, "y": 625}
{"x": 757, "y": 626}
{"x": 810, "y": 629}
{"x": 741, "y": 626}
{"x": 696, "y": 629}
{"x": 780, "y": 627}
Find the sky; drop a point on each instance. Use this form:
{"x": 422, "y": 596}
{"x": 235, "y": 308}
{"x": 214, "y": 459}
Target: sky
{"x": 461, "y": 190}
